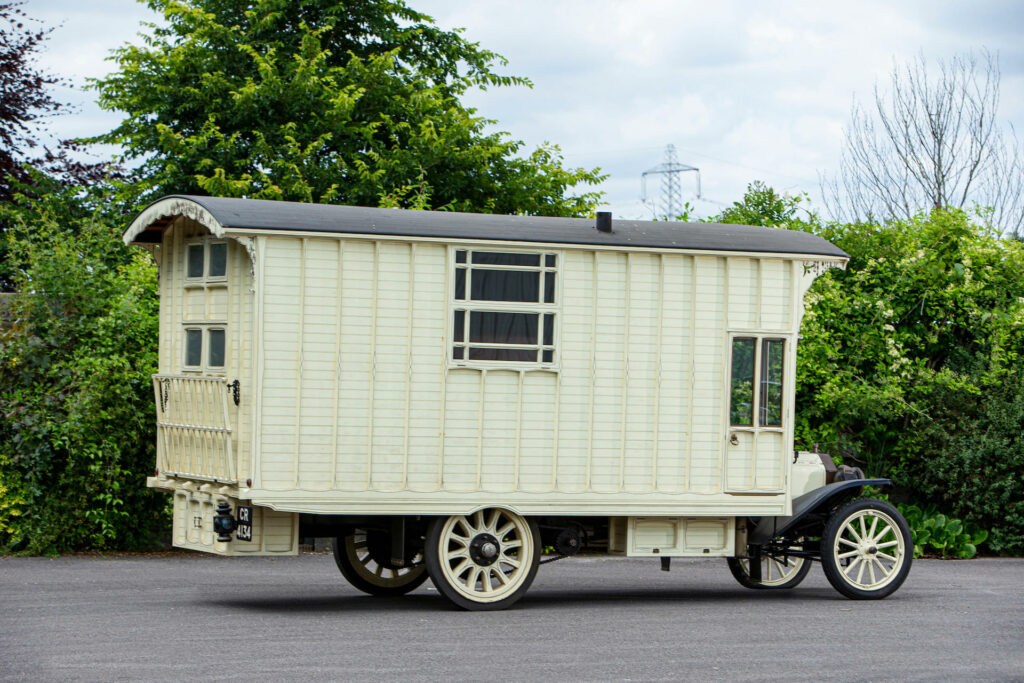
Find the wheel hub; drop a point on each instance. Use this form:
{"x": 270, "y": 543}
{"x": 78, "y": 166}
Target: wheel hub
{"x": 484, "y": 549}
{"x": 866, "y": 549}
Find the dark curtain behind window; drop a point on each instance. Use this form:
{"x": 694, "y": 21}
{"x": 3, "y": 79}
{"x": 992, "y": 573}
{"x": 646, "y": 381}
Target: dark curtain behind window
{"x": 504, "y": 285}
{"x": 489, "y": 284}
{"x": 489, "y": 327}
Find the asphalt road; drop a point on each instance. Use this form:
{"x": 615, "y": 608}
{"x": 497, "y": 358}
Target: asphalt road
{"x": 195, "y": 617}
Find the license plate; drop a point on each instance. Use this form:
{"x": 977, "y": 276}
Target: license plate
{"x": 243, "y": 528}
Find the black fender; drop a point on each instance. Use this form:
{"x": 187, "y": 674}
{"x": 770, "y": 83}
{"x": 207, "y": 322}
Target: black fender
{"x": 827, "y": 496}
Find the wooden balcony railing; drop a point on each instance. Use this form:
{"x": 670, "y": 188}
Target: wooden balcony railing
{"x": 193, "y": 428}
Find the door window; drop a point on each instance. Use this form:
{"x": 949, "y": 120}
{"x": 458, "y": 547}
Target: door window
{"x": 756, "y": 382}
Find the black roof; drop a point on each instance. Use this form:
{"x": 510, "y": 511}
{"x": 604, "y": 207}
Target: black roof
{"x": 258, "y": 214}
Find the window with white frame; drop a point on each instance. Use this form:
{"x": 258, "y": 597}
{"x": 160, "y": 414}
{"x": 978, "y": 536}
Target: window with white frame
{"x": 204, "y": 332}
{"x": 200, "y": 338}
{"x": 206, "y": 260}
{"x": 756, "y": 382}
{"x": 504, "y": 306}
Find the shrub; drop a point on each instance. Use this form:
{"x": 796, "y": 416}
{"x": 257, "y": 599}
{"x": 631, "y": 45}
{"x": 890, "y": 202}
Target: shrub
{"x": 948, "y": 536}
{"x": 77, "y": 430}
{"x": 909, "y": 366}
{"x": 970, "y": 458}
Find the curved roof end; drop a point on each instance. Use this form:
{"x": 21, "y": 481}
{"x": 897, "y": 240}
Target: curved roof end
{"x": 148, "y": 225}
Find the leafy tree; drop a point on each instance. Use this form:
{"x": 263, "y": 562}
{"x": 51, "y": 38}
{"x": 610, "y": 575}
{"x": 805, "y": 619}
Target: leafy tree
{"x": 25, "y": 105}
{"x": 75, "y": 411}
{"x": 25, "y": 100}
{"x": 969, "y": 456}
{"x": 762, "y": 205}
{"x": 324, "y": 101}
{"x": 901, "y": 351}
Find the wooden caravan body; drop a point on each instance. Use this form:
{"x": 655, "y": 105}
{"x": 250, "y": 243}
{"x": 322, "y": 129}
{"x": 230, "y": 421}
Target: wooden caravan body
{"x": 339, "y": 360}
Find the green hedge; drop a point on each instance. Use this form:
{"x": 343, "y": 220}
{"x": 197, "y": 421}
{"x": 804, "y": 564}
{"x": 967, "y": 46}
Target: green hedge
{"x": 77, "y": 430}
{"x": 970, "y": 459}
{"x": 910, "y": 366}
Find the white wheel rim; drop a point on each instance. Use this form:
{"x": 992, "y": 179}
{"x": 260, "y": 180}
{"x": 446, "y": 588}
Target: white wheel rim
{"x": 869, "y": 549}
{"x": 358, "y": 552}
{"x": 486, "y": 582}
{"x": 775, "y": 572}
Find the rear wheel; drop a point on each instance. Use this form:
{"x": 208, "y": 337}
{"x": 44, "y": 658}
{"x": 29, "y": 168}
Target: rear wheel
{"x": 776, "y": 572}
{"x": 363, "y": 557}
{"x": 866, "y": 549}
{"x": 483, "y": 561}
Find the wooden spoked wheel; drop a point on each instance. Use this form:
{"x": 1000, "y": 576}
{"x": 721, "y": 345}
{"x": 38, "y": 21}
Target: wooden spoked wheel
{"x": 483, "y": 561}
{"x": 776, "y": 572}
{"x": 362, "y": 557}
{"x": 866, "y": 549}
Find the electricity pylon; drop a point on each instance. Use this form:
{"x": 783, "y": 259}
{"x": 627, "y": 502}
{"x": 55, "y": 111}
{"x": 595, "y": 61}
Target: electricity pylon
{"x": 671, "y": 200}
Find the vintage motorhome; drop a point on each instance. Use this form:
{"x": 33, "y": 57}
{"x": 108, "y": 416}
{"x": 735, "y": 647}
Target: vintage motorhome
{"x": 447, "y": 394}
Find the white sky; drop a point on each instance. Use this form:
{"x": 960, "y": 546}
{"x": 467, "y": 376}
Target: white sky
{"x": 744, "y": 90}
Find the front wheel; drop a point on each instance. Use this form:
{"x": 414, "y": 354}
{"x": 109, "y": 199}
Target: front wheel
{"x": 866, "y": 549}
{"x": 363, "y": 557}
{"x": 776, "y": 573}
{"x": 483, "y": 561}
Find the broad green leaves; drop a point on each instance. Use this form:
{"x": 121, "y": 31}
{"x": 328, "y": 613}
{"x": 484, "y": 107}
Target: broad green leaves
{"x": 941, "y": 534}
{"x": 909, "y": 356}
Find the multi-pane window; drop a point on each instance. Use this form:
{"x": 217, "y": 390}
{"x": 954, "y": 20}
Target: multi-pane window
{"x": 756, "y": 382}
{"x": 199, "y": 338}
{"x": 504, "y": 306}
{"x": 207, "y": 260}
{"x": 204, "y": 327}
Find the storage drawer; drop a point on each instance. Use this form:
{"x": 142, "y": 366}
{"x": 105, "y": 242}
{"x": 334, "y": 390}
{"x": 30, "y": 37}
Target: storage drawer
{"x": 680, "y": 536}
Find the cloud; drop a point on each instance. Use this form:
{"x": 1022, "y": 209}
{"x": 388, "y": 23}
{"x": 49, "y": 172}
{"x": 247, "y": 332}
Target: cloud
{"x": 84, "y": 35}
{"x": 744, "y": 90}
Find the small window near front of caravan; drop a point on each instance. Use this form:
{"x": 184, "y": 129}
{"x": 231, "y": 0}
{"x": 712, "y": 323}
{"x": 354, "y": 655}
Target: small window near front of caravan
{"x": 760, "y": 358}
{"x": 770, "y": 403}
{"x": 741, "y": 406}
{"x": 504, "y": 307}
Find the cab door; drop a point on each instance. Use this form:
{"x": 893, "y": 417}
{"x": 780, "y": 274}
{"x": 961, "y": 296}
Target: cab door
{"x": 756, "y": 431}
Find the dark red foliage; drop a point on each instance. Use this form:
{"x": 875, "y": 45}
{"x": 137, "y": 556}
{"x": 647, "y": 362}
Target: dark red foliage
{"x": 26, "y": 104}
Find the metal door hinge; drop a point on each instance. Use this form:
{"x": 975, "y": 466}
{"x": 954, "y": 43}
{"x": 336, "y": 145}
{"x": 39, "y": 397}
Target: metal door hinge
{"x": 235, "y": 388}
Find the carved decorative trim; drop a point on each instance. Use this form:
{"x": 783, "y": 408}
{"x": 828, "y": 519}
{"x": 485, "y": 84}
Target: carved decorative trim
{"x": 166, "y": 209}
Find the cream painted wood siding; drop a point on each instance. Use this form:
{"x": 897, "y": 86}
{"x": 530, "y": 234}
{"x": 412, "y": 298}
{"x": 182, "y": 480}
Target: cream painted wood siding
{"x": 359, "y": 404}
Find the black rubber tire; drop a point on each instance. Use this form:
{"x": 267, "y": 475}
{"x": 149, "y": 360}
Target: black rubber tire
{"x": 435, "y": 548}
{"x": 356, "y": 576}
{"x": 741, "y": 576}
{"x": 832, "y": 564}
